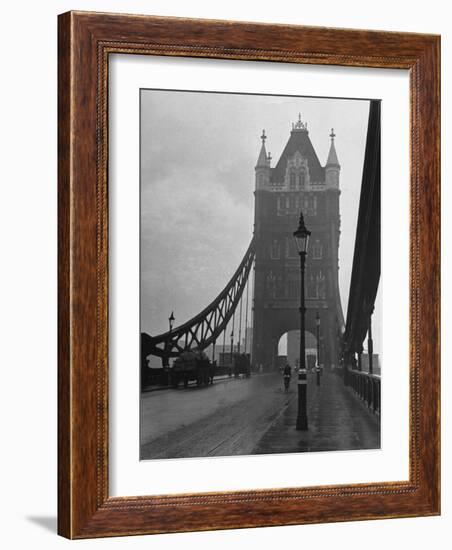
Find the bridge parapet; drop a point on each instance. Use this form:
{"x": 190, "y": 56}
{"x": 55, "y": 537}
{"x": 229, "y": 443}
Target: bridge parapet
{"x": 367, "y": 387}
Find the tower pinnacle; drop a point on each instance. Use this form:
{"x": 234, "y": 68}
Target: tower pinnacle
{"x": 264, "y": 160}
{"x": 332, "y": 160}
{"x": 299, "y": 126}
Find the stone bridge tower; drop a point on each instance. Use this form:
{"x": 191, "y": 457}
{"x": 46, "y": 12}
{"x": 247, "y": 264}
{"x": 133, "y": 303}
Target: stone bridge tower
{"x": 297, "y": 182}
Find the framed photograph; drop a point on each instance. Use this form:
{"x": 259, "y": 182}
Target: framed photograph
{"x": 248, "y": 275}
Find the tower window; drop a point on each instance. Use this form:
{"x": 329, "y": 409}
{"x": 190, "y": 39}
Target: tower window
{"x": 311, "y": 286}
{"x": 321, "y": 285}
{"x": 271, "y": 284}
{"x": 291, "y": 248}
{"x": 279, "y": 293}
{"x": 302, "y": 179}
{"x": 292, "y": 181}
{"x": 293, "y": 287}
{"x": 317, "y": 250}
{"x": 311, "y": 205}
{"x": 275, "y": 253}
{"x": 281, "y": 208}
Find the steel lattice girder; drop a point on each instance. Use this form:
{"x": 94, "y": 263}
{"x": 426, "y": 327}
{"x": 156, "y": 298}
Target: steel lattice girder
{"x": 204, "y": 329}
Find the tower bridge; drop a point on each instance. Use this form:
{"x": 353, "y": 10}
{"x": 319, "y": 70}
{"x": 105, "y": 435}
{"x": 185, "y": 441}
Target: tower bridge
{"x": 263, "y": 297}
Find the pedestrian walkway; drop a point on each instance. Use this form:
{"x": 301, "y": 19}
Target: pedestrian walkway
{"x": 337, "y": 420}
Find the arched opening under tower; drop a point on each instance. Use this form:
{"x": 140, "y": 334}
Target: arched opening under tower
{"x": 289, "y": 349}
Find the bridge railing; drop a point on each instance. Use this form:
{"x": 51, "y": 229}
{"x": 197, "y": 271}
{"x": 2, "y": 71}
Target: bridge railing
{"x": 367, "y": 387}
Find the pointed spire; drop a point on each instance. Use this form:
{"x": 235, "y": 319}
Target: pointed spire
{"x": 332, "y": 155}
{"x": 263, "y": 160}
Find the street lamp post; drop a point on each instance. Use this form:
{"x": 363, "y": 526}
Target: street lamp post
{"x": 317, "y": 324}
{"x": 171, "y": 320}
{"x": 302, "y": 238}
{"x": 232, "y": 352}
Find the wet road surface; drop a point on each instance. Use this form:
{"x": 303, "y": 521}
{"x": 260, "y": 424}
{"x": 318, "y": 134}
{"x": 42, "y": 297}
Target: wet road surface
{"x": 227, "y": 418}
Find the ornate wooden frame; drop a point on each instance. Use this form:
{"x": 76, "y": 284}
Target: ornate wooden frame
{"x": 85, "y": 42}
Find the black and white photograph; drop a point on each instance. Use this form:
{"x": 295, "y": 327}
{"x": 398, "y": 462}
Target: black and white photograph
{"x": 260, "y": 268}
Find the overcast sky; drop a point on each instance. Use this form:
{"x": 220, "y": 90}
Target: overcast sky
{"x": 198, "y": 152}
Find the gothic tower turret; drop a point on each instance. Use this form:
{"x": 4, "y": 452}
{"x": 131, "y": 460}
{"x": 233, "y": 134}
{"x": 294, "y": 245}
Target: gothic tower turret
{"x": 332, "y": 167}
{"x": 262, "y": 167}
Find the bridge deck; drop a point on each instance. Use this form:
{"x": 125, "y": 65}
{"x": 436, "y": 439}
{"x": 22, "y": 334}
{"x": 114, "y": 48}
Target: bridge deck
{"x": 254, "y": 416}
{"x": 337, "y": 420}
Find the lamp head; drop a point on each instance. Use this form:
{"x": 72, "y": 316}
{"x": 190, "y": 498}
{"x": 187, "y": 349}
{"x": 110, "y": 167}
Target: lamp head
{"x": 302, "y": 236}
